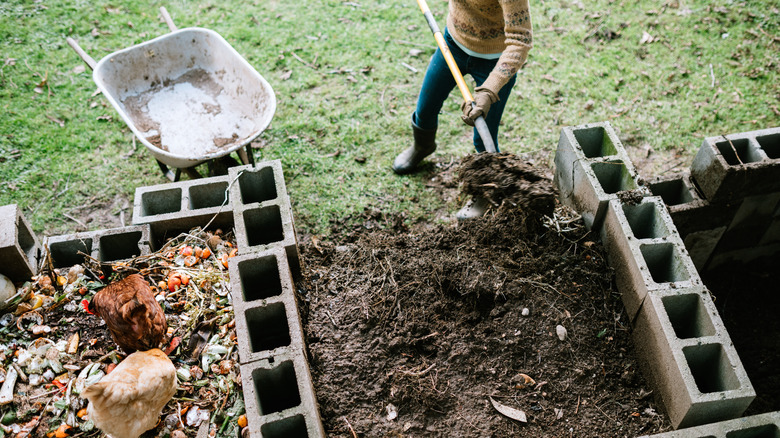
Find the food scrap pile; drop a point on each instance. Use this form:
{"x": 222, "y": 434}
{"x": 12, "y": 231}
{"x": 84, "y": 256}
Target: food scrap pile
{"x": 52, "y": 348}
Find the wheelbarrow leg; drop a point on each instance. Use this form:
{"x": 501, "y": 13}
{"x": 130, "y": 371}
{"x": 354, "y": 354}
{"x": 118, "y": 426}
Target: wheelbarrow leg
{"x": 192, "y": 173}
{"x": 168, "y": 173}
{"x": 246, "y": 156}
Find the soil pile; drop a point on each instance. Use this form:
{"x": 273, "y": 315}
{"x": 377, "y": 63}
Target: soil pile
{"x": 505, "y": 177}
{"x": 411, "y": 333}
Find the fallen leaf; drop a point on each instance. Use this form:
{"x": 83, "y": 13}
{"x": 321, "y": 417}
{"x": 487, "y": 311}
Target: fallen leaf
{"x": 285, "y": 75}
{"x": 646, "y": 38}
{"x": 515, "y": 414}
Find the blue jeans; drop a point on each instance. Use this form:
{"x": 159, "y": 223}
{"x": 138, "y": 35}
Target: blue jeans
{"x": 438, "y": 84}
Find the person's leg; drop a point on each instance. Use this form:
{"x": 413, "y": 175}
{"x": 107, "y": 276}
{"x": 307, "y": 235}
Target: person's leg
{"x": 480, "y": 69}
{"x": 436, "y": 87}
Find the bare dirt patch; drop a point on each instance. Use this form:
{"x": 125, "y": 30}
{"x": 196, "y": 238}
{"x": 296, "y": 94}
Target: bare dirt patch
{"x": 411, "y": 332}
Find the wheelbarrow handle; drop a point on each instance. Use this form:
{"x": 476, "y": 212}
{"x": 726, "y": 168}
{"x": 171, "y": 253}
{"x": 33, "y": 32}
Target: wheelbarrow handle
{"x": 168, "y": 20}
{"x": 84, "y": 56}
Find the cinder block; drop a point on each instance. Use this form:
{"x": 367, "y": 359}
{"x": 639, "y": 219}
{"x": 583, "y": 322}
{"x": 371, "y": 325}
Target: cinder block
{"x": 701, "y": 245}
{"x": 19, "y": 247}
{"x": 674, "y": 189}
{"x": 262, "y": 211}
{"x": 279, "y": 397}
{"x": 688, "y": 356}
{"x": 756, "y": 426}
{"x": 591, "y": 168}
{"x": 750, "y": 222}
{"x": 646, "y": 251}
{"x": 173, "y": 208}
{"x": 737, "y": 165}
{"x": 105, "y": 246}
{"x": 742, "y": 257}
{"x": 267, "y": 319}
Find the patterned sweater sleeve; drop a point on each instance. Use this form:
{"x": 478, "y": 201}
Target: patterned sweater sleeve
{"x": 519, "y": 39}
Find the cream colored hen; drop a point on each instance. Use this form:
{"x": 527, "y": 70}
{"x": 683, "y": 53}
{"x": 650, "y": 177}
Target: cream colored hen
{"x": 128, "y": 401}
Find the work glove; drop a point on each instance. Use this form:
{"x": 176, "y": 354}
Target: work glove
{"x": 483, "y": 98}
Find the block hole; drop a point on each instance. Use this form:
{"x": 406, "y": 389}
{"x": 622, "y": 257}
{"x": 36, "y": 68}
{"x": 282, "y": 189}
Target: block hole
{"x": 770, "y": 144}
{"x": 645, "y": 220}
{"x": 66, "y": 254}
{"x": 25, "y": 239}
{"x": 119, "y": 246}
{"x": 710, "y": 368}
{"x": 208, "y": 195}
{"x": 268, "y": 328}
{"x": 260, "y": 278}
{"x": 613, "y": 176}
{"x": 257, "y": 186}
{"x": 688, "y": 316}
{"x": 595, "y": 142}
{"x": 263, "y": 225}
{"x": 161, "y": 202}
{"x": 763, "y": 431}
{"x": 673, "y": 192}
{"x": 291, "y": 427}
{"x": 740, "y": 153}
{"x": 276, "y": 388}
{"x": 664, "y": 262}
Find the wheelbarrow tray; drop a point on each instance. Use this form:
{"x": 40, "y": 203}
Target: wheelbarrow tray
{"x": 187, "y": 95}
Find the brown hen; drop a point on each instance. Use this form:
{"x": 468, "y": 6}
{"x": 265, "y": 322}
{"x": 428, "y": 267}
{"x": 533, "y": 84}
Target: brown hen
{"x": 128, "y": 401}
{"x": 132, "y": 315}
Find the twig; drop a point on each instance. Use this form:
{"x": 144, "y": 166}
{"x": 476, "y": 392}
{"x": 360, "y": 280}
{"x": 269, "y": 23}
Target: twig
{"x": 736, "y": 154}
{"x": 75, "y": 220}
{"x": 354, "y": 435}
{"x": 414, "y": 70}
{"x": 303, "y": 62}
{"x": 712, "y": 75}
{"x": 418, "y": 373}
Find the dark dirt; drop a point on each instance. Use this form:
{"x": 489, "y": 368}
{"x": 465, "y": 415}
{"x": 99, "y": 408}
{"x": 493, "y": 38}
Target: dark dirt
{"x": 748, "y": 303}
{"x": 428, "y": 323}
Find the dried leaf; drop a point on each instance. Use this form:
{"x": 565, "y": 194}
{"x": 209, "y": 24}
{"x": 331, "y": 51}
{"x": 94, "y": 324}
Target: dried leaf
{"x": 286, "y": 75}
{"x": 647, "y": 38}
{"x": 515, "y": 414}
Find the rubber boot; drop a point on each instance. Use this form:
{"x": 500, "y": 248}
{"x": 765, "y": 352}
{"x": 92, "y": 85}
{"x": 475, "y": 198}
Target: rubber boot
{"x": 474, "y": 208}
{"x": 424, "y": 145}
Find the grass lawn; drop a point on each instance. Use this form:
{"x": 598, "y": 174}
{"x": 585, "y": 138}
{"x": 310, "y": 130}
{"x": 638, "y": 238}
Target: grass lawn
{"x": 346, "y": 76}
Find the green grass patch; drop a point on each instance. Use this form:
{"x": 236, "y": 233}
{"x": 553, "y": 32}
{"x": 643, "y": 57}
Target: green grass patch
{"x": 665, "y": 76}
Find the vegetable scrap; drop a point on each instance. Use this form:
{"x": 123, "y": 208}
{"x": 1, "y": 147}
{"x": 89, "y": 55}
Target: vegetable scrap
{"x": 52, "y": 347}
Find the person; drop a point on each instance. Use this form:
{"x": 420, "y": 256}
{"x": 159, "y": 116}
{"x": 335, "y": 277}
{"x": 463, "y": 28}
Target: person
{"x": 489, "y": 40}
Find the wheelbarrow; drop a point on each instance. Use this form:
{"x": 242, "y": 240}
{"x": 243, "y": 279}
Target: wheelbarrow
{"x": 188, "y": 96}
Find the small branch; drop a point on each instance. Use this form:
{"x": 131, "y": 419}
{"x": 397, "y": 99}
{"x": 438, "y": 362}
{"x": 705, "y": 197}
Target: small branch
{"x": 303, "y": 62}
{"x": 414, "y": 70}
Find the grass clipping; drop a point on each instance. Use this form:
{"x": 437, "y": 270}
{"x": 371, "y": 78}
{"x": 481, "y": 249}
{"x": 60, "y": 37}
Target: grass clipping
{"x": 505, "y": 178}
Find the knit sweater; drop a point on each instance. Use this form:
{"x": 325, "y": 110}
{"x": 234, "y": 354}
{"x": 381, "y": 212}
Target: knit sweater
{"x": 493, "y": 26}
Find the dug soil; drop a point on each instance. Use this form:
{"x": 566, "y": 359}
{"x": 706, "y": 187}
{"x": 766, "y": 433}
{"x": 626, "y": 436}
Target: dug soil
{"x": 430, "y": 330}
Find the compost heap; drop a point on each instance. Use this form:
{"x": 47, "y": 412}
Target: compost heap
{"x": 467, "y": 329}
{"x": 59, "y": 349}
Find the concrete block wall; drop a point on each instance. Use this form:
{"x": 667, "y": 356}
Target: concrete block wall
{"x": 727, "y": 208}
{"x": 173, "y": 208}
{"x": 733, "y": 166}
{"x": 756, "y": 426}
{"x": 105, "y": 246}
{"x": 263, "y": 212}
{"x": 591, "y": 168}
{"x": 683, "y": 346}
{"x": 279, "y": 398}
{"x": 646, "y": 251}
{"x": 278, "y": 392}
{"x": 20, "y": 250}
